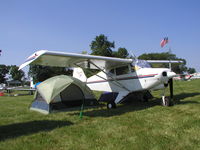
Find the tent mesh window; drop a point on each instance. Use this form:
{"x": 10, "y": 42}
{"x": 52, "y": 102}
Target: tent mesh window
{"x": 40, "y": 103}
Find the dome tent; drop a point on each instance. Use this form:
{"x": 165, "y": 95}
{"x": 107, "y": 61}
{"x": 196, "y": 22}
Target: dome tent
{"x": 61, "y": 92}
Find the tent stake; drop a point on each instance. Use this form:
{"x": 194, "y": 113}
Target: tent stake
{"x": 82, "y": 108}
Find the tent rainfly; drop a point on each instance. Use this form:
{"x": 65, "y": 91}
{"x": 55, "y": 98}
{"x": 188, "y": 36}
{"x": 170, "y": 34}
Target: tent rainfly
{"x": 61, "y": 92}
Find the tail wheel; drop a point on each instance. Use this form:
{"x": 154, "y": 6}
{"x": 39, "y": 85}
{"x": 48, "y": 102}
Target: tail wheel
{"x": 111, "y": 105}
{"x": 167, "y": 101}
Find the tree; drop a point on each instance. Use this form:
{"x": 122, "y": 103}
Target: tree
{"x": 3, "y": 71}
{"x": 84, "y": 52}
{"x": 15, "y": 73}
{"x": 158, "y": 56}
{"x": 121, "y": 53}
{"x": 101, "y": 46}
{"x": 191, "y": 70}
{"x": 178, "y": 68}
{"x": 41, "y": 73}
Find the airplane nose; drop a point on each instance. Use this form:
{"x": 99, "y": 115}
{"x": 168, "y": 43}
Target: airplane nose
{"x": 166, "y": 75}
{"x": 171, "y": 74}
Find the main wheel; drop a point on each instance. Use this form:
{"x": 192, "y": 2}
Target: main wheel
{"x": 111, "y": 105}
{"x": 145, "y": 99}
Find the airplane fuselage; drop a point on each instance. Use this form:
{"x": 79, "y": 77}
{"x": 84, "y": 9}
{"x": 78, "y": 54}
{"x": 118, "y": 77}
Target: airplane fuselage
{"x": 142, "y": 79}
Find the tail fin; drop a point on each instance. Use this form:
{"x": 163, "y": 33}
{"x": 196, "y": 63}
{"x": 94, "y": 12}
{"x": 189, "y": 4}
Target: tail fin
{"x": 79, "y": 74}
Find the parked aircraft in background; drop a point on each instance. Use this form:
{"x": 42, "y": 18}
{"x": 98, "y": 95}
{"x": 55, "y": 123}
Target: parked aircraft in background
{"x": 184, "y": 77}
{"x": 195, "y": 76}
{"x": 117, "y": 75}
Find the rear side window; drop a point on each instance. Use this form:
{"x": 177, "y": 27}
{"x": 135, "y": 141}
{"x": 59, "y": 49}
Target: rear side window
{"x": 122, "y": 70}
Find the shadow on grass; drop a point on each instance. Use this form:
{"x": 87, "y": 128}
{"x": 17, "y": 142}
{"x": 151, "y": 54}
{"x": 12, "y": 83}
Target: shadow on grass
{"x": 136, "y": 106}
{"x": 178, "y": 98}
{"x": 27, "y": 128}
{"x": 182, "y": 96}
{"x": 121, "y": 109}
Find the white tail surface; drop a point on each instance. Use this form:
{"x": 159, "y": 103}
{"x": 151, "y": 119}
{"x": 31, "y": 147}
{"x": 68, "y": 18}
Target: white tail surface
{"x": 79, "y": 74}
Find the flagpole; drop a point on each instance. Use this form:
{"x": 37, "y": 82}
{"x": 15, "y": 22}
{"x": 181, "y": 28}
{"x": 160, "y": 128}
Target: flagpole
{"x": 170, "y": 64}
{"x": 170, "y": 50}
{"x": 162, "y": 44}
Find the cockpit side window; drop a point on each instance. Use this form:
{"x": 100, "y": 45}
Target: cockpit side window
{"x": 112, "y": 71}
{"x": 132, "y": 68}
{"x": 122, "y": 70}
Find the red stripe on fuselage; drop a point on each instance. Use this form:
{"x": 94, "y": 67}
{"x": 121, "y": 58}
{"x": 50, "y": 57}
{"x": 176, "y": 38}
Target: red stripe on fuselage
{"x": 125, "y": 78}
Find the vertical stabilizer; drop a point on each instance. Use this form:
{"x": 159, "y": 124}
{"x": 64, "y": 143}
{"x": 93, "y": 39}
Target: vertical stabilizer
{"x": 79, "y": 74}
{"x": 32, "y": 85}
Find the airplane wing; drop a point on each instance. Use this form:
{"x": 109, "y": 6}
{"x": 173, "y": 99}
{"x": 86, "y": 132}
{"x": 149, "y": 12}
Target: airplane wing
{"x": 164, "y": 61}
{"x": 63, "y": 59}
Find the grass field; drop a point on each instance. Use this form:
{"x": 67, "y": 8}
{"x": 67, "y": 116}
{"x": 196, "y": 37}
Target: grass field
{"x": 134, "y": 126}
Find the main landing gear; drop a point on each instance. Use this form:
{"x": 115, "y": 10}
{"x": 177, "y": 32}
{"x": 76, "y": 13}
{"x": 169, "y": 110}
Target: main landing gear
{"x": 111, "y": 105}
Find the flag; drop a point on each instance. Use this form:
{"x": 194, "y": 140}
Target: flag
{"x": 0, "y": 52}
{"x": 164, "y": 41}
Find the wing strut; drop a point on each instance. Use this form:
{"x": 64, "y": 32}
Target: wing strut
{"x": 118, "y": 83}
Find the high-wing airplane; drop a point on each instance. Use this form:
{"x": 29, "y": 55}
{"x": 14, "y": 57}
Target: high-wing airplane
{"x": 117, "y": 75}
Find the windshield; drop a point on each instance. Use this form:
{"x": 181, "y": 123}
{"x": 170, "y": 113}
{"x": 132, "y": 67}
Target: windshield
{"x": 142, "y": 64}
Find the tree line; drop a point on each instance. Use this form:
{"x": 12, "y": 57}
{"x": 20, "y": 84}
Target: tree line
{"x": 10, "y": 71}
{"x": 99, "y": 46}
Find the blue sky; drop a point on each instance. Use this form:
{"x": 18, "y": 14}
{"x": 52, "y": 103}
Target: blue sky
{"x": 70, "y": 25}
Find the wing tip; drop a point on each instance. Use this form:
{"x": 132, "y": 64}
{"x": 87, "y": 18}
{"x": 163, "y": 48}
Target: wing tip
{"x": 32, "y": 58}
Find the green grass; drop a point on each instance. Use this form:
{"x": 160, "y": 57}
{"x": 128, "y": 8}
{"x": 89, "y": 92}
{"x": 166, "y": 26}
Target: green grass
{"x": 133, "y": 126}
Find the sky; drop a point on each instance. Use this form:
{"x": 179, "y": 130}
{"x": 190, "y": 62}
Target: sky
{"x": 70, "y": 26}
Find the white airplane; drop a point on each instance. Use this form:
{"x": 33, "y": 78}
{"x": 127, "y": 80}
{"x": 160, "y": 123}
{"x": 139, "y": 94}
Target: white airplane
{"x": 117, "y": 75}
